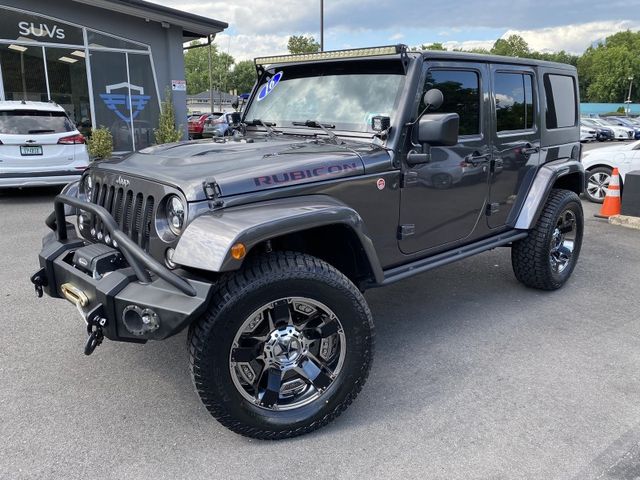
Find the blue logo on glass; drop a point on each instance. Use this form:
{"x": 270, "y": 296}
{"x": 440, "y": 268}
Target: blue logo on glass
{"x": 270, "y": 85}
{"x": 126, "y": 106}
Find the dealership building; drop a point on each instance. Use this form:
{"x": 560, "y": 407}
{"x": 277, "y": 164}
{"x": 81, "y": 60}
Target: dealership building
{"x": 106, "y": 62}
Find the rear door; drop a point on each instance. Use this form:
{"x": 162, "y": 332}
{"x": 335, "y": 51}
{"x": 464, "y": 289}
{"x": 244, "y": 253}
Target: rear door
{"x": 30, "y": 139}
{"x": 515, "y": 142}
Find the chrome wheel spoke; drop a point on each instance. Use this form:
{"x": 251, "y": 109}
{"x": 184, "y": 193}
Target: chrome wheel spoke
{"x": 280, "y": 315}
{"x": 271, "y": 393}
{"x": 325, "y": 330}
{"x": 314, "y": 374}
{"x": 244, "y": 354}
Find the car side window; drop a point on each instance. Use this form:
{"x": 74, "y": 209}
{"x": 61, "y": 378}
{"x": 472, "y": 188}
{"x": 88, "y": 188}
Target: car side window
{"x": 560, "y": 92}
{"x": 461, "y": 89}
{"x": 514, "y": 101}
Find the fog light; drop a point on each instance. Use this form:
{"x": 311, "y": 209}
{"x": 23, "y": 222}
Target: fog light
{"x": 139, "y": 321}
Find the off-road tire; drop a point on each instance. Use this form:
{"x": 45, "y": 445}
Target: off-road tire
{"x": 264, "y": 279}
{"x": 530, "y": 256}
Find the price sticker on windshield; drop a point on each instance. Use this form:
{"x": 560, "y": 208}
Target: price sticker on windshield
{"x": 270, "y": 85}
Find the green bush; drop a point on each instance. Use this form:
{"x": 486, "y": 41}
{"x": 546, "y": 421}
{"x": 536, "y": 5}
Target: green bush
{"x": 100, "y": 143}
{"x": 167, "y": 132}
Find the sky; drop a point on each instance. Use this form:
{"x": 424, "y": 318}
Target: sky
{"x": 262, "y": 27}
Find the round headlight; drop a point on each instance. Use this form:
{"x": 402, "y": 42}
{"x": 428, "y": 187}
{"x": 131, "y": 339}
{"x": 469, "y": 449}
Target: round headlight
{"x": 175, "y": 214}
{"x": 87, "y": 188}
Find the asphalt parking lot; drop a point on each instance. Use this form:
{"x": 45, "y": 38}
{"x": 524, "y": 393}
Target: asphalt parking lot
{"x": 475, "y": 376}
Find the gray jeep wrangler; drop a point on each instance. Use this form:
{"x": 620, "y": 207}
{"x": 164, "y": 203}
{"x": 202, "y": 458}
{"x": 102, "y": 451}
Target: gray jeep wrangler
{"x": 347, "y": 170}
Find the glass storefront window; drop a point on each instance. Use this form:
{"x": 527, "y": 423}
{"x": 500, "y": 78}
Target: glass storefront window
{"x": 111, "y": 96}
{"x": 123, "y": 94}
{"x": 23, "y": 73}
{"x": 145, "y": 109}
{"x": 96, "y": 39}
{"x": 68, "y": 84}
{"x": 23, "y": 26}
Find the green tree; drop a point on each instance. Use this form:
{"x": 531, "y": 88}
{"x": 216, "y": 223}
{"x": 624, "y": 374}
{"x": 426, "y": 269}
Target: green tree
{"x": 100, "y": 143}
{"x": 302, "y": 44}
{"x": 167, "y": 131}
{"x": 512, "y": 46}
{"x": 604, "y": 70}
{"x": 243, "y": 76}
{"x": 433, "y": 46}
{"x": 196, "y": 66}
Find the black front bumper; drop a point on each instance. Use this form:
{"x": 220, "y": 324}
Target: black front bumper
{"x": 142, "y": 285}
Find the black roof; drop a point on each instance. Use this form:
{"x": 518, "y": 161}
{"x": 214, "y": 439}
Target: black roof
{"x": 480, "y": 57}
{"x": 194, "y": 26}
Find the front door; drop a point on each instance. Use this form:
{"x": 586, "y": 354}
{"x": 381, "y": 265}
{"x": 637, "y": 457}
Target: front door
{"x": 443, "y": 200}
{"x": 516, "y": 141}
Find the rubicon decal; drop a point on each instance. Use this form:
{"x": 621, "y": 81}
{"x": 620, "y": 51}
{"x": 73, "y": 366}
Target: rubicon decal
{"x": 297, "y": 175}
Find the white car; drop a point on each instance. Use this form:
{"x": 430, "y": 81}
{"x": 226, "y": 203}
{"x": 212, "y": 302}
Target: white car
{"x": 587, "y": 134}
{"x": 599, "y": 163}
{"x": 39, "y": 145}
{"x": 619, "y": 132}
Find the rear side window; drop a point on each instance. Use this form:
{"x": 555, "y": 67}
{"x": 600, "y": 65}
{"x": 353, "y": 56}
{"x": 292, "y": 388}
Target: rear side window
{"x": 461, "y": 89}
{"x": 514, "y": 101}
{"x": 34, "y": 122}
{"x": 562, "y": 110}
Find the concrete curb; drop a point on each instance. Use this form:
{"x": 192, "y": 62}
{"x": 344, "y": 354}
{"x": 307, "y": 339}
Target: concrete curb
{"x": 625, "y": 221}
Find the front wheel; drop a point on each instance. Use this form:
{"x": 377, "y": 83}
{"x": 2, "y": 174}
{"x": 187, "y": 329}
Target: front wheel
{"x": 546, "y": 258}
{"x": 284, "y": 349}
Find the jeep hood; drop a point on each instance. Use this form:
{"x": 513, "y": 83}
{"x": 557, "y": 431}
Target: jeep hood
{"x": 241, "y": 167}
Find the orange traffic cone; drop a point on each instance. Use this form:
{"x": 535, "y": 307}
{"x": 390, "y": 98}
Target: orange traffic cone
{"x": 612, "y": 204}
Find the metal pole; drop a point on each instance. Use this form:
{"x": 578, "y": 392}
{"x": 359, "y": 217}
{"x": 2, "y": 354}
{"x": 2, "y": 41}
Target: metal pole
{"x": 322, "y": 25}
{"x": 210, "y": 77}
{"x": 629, "y": 96}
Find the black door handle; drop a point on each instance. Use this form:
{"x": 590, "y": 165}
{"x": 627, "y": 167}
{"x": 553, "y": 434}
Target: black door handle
{"x": 529, "y": 150}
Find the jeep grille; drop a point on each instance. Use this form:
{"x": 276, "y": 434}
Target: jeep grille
{"x": 132, "y": 211}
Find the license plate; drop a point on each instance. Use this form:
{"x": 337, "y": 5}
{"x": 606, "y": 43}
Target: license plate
{"x": 26, "y": 150}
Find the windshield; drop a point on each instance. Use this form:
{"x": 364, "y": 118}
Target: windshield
{"x": 343, "y": 95}
{"x": 33, "y": 122}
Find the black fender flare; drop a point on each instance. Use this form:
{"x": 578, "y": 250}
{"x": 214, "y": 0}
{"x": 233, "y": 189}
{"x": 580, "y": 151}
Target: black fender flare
{"x": 546, "y": 177}
{"x": 206, "y": 243}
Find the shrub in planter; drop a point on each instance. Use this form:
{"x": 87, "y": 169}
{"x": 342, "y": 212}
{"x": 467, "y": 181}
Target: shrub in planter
{"x": 167, "y": 131}
{"x": 100, "y": 143}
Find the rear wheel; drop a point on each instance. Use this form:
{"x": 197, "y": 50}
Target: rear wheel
{"x": 546, "y": 258}
{"x": 285, "y": 347}
{"x": 597, "y": 182}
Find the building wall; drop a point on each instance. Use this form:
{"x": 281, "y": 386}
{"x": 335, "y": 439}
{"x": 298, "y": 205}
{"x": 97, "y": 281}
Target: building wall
{"x": 602, "y": 108}
{"x": 165, "y": 43}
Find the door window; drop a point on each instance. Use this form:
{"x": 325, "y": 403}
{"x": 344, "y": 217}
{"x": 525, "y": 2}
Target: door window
{"x": 514, "y": 101}
{"x": 560, "y": 91}
{"x": 461, "y": 89}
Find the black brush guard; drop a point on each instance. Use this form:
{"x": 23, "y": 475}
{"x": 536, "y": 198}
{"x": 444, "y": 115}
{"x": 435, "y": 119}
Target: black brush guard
{"x": 144, "y": 285}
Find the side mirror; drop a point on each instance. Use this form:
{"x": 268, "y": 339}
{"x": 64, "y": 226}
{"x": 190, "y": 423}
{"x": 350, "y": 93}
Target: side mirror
{"x": 433, "y": 99}
{"x": 235, "y": 118}
{"x": 439, "y": 129}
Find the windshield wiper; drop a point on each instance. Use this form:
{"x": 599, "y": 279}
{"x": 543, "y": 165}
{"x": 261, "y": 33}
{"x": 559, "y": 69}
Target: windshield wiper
{"x": 322, "y": 126}
{"x": 267, "y": 126}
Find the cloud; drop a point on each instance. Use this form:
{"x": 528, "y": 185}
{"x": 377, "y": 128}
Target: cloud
{"x": 247, "y": 47}
{"x": 572, "y": 38}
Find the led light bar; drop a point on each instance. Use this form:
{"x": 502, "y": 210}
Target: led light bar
{"x": 350, "y": 53}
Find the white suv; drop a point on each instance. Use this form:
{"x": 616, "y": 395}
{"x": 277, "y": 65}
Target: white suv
{"x": 39, "y": 145}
